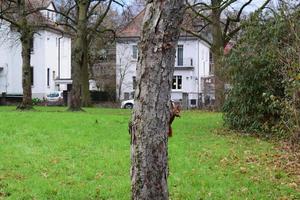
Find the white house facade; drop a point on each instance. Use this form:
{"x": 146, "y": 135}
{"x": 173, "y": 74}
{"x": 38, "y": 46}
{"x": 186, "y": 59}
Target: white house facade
{"x": 50, "y": 60}
{"x": 192, "y": 66}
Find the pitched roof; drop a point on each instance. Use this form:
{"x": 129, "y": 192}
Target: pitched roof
{"x": 133, "y": 28}
{"x": 37, "y": 18}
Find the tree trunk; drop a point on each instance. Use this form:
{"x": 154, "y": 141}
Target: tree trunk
{"x": 149, "y": 139}
{"x": 78, "y": 57}
{"x": 86, "y": 97}
{"x": 26, "y": 38}
{"x": 219, "y": 81}
{"x": 217, "y": 51}
{"x": 119, "y": 90}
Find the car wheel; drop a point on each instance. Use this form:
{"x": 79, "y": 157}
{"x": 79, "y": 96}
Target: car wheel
{"x": 128, "y": 106}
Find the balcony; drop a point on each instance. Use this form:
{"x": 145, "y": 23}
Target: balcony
{"x": 185, "y": 64}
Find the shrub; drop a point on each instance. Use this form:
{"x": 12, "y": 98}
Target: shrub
{"x": 36, "y": 101}
{"x": 264, "y": 80}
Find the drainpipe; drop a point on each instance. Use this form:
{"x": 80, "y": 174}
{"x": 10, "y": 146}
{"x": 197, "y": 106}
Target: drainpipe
{"x": 6, "y": 78}
{"x": 198, "y": 74}
{"x": 59, "y": 61}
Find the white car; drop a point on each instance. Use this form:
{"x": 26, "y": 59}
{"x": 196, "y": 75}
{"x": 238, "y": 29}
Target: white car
{"x": 127, "y": 104}
{"x": 55, "y": 97}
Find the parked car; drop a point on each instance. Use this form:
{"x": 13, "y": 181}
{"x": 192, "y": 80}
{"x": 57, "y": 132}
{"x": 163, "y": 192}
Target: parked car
{"x": 127, "y": 104}
{"x": 55, "y": 98}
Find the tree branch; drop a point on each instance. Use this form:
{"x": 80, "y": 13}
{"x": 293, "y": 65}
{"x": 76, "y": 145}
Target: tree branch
{"x": 66, "y": 16}
{"x": 101, "y": 18}
{"x": 13, "y": 22}
{"x": 237, "y": 18}
{"x": 197, "y": 35}
{"x": 225, "y": 4}
{"x": 91, "y": 12}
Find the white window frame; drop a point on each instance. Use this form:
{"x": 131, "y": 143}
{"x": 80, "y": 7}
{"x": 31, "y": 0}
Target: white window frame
{"x": 180, "y": 64}
{"x": 177, "y": 82}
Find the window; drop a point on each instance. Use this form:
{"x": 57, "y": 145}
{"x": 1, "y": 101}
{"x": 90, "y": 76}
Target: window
{"x": 180, "y": 55}
{"x": 32, "y": 75}
{"x": 134, "y": 82}
{"x": 193, "y": 102}
{"x": 211, "y": 63}
{"x": 48, "y": 77}
{"x": 177, "y": 83}
{"x": 134, "y": 52}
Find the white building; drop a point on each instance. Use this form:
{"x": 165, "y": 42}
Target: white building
{"x": 192, "y": 65}
{"x": 50, "y": 60}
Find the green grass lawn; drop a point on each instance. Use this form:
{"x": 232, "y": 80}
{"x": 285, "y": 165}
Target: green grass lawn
{"x": 52, "y": 154}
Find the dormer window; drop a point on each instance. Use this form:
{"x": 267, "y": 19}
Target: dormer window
{"x": 50, "y": 15}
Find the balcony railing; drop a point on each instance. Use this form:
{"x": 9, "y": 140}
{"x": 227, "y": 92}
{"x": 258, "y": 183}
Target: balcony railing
{"x": 184, "y": 64}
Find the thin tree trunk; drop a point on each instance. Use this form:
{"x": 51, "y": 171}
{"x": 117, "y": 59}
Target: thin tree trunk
{"x": 119, "y": 90}
{"x": 149, "y": 139}
{"x": 78, "y": 57}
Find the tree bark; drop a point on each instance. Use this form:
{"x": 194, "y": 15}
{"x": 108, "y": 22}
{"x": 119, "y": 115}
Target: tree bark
{"x": 26, "y": 37}
{"x": 86, "y": 97}
{"x": 149, "y": 139}
{"x": 218, "y": 52}
{"x": 78, "y": 57}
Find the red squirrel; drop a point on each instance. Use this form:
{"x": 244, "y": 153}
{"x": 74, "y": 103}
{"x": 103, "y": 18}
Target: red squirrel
{"x": 175, "y": 111}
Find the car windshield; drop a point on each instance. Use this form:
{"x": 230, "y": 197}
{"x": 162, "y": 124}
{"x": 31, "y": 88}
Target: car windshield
{"x": 53, "y": 95}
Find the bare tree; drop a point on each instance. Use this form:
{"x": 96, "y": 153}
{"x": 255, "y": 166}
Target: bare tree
{"x": 122, "y": 72}
{"x": 223, "y": 17}
{"x": 84, "y": 18}
{"x": 24, "y": 17}
{"x": 149, "y": 130}
{"x": 124, "y": 68}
